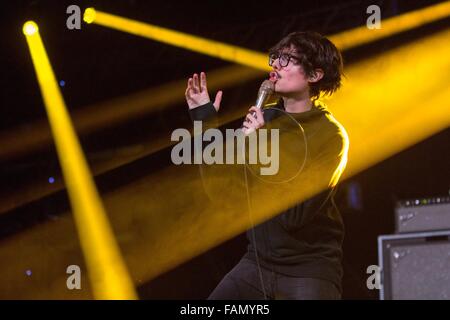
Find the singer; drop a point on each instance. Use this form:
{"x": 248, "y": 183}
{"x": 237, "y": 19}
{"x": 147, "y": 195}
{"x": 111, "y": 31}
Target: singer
{"x": 296, "y": 254}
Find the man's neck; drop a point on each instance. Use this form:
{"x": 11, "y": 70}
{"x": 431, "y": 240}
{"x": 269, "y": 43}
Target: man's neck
{"x": 297, "y": 104}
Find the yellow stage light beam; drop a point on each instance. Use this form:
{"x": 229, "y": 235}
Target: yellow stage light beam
{"x": 343, "y": 40}
{"x": 22, "y": 140}
{"x": 18, "y": 141}
{"x": 392, "y": 101}
{"x": 108, "y": 273}
{"x": 407, "y": 21}
{"x": 389, "y": 103}
{"x": 15, "y": 142}
{"x": 212, "y": 48}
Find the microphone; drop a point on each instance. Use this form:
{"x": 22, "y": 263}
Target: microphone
{"x": 265, "y": 91}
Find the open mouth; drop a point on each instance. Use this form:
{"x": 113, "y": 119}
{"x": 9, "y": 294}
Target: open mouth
{"x": 274, "y": 76}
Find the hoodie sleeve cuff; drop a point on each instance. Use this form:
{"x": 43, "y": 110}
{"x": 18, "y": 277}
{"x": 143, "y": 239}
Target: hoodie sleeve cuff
{"x": 203, "y": 112}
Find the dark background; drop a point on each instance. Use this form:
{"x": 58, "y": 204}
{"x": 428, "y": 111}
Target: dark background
{"x": 99, "y": 63}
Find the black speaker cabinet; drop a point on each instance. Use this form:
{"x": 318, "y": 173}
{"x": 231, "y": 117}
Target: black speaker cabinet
{"x": 415, "y": 266}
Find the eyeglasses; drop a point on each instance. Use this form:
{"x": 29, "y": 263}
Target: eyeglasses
{"x": 283, "y": 58}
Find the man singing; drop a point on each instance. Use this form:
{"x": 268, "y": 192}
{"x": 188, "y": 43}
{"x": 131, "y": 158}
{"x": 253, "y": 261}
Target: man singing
{"x": 296, "y": 254}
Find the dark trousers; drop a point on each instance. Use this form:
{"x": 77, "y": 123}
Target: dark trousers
{"x": 244, "y": 282}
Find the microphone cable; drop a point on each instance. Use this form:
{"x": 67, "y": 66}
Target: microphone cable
{"x": 249, "y": 206}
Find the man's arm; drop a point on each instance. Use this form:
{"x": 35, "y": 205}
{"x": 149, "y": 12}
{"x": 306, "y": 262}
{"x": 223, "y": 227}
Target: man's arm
{"x": 324, "y": 172}
{"x": 220, "y": 181}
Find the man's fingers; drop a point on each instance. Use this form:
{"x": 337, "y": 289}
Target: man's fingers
{"x": 251, "y": 119}
{"x": 255, "y": 109}
{"x": 248, "y": 127}
{"x": 248, "y": 130}
{"x": 217, "y": 100}
{"x": 191, "y": 86}
{"x": 254, "y": 120}
{"x": 196, "y": 83}
{"x": 203, "y": 82}
{"x": 258, "y": 114}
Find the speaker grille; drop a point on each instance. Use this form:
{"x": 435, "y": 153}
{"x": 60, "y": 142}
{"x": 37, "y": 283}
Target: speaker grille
{"x": 415, "y": 266}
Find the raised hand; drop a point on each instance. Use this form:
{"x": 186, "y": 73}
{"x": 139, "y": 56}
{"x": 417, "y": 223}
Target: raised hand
{"x": 197, "y": 92}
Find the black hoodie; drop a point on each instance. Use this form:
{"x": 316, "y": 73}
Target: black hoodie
{"x": 304, "y": 239}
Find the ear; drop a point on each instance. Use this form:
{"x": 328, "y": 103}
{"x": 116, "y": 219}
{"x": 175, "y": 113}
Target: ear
{"x": 316, "y": 76}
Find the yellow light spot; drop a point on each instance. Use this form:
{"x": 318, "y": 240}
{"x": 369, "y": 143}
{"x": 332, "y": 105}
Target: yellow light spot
{"x": 89, "y": 15}
{"x": 30, "y": 28}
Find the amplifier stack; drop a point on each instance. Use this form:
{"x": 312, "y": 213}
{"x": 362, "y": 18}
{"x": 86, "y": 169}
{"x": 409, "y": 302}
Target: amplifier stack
{"x": 415, "y": 262}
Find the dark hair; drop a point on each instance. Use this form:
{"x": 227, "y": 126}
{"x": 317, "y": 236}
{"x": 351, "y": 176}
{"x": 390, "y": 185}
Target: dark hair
{"x": 315, "y": 52}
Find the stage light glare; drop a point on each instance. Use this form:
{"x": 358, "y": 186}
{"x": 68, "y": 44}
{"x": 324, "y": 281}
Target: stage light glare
{"x": 89, "y": 15}
{"x": 30, "y": 28}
